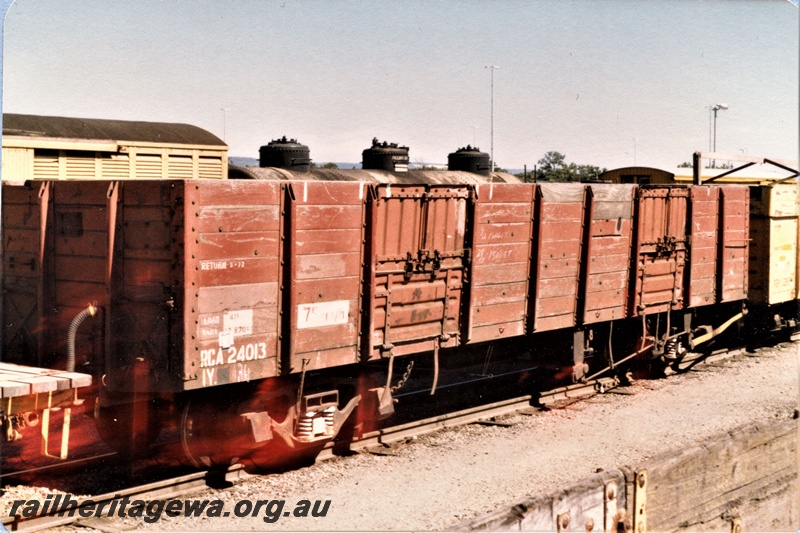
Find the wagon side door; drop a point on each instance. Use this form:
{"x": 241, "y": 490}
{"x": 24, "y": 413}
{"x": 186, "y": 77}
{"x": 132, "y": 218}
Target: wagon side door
{"x": 735, "y": 202}
{"x": 323, "y": 266}
{"x": 417, "y": 267}
{"x": 661, "y": 250}
{"x": 608, "y": 254}
{"x": 233, "y": 280}
{"x": 501, "y": 262}
{"x": 719, "y": 244}
{"x": 704, "y": 238}
{"x": 560, "y": 222}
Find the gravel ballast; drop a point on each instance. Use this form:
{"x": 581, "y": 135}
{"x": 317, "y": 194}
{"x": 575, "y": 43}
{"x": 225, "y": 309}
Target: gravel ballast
{"x": 458, "y": 474}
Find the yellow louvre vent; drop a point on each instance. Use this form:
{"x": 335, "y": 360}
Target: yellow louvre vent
{"x": 45, "y": 164}
{"x": 210, "y": 167}
{"x": 181, "y": 166}
{"x": 79, "y": 166}
{"x": 130, "y": 163}
{"x": 115, "y": 166}
{"x": 148, "y": 166}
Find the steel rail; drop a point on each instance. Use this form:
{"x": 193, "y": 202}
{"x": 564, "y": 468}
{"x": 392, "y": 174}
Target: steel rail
{"x": 58, "y": 466}
{"x": 471, "y": 415}
{"x": 165, "y": 489}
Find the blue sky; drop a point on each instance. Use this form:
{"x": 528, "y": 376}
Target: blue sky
{"x": 606, "y": 82}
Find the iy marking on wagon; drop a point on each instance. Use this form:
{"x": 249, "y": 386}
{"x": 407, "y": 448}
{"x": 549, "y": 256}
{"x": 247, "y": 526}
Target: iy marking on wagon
{"x": 235, "y": 373}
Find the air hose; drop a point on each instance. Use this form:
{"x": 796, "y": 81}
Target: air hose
{"x": 73, "y": 329}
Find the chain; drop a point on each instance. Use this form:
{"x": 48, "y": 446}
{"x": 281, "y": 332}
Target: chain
{"x": 404, "y": 378}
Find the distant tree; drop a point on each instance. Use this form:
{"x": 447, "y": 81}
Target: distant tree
{"x": 586, "y": 172}
{"x": 325, "y": 166}
{"x": 723, "y": 166}
{"x": 554, "y": 167}
{"x": 497, "y": 168}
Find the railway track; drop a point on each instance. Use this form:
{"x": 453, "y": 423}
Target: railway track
{"x": 66, "y": 465}
{"x": 380, "y": 439}
{"x": 385, "y": 438}
{"x": 168, "y": 488}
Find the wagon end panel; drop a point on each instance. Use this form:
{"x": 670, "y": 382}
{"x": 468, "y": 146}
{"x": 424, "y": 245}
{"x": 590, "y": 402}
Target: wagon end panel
{"x": 417, "y": 267}
{"x": 608, "y": 254}
{"x": 705, "y": 237}
{"x": 661, "y": 250}
{"x": 773, "y": 265}
{"x": 560, "y": 222}
{"x": 325, "y": 264}
{"x": 773, "y": 245}
{"x": 735, "y": 202}
{"x": 501, "y": 261}
{"x": 783, "y": 245}
{"x": 27, "y": 215}
{"x": 232, "y": 292}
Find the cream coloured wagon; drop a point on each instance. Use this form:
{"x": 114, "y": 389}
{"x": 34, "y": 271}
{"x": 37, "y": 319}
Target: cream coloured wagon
{"x": 62, "y": 148}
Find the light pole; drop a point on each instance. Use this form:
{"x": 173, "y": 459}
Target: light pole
{"x": 715, "y": 108}
{"x": 223, "y": 109}
{"x": 491, "y": 148}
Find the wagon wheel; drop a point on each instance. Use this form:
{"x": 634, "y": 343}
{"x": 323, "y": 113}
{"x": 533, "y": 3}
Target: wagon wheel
{"x": 198, "y": 435}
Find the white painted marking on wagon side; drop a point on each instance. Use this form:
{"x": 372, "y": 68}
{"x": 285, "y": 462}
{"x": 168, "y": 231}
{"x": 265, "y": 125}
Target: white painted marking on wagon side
{"x": 238, "y": 322}
{"x": 323, "y": 314}
{"x": 225, "y": 339}
{"x": 235, "y": 324}
{"x": 209, "y": 377}
{"x": 305, "y": 191}
{"x": 388, "y": 191}
{"x": 361, "y": 190}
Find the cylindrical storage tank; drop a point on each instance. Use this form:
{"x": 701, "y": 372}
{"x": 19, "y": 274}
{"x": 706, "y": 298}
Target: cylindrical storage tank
{"x": 470, "y": 159}
{"x": 385, "y": 156}
{"x": 285, "y": 153}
